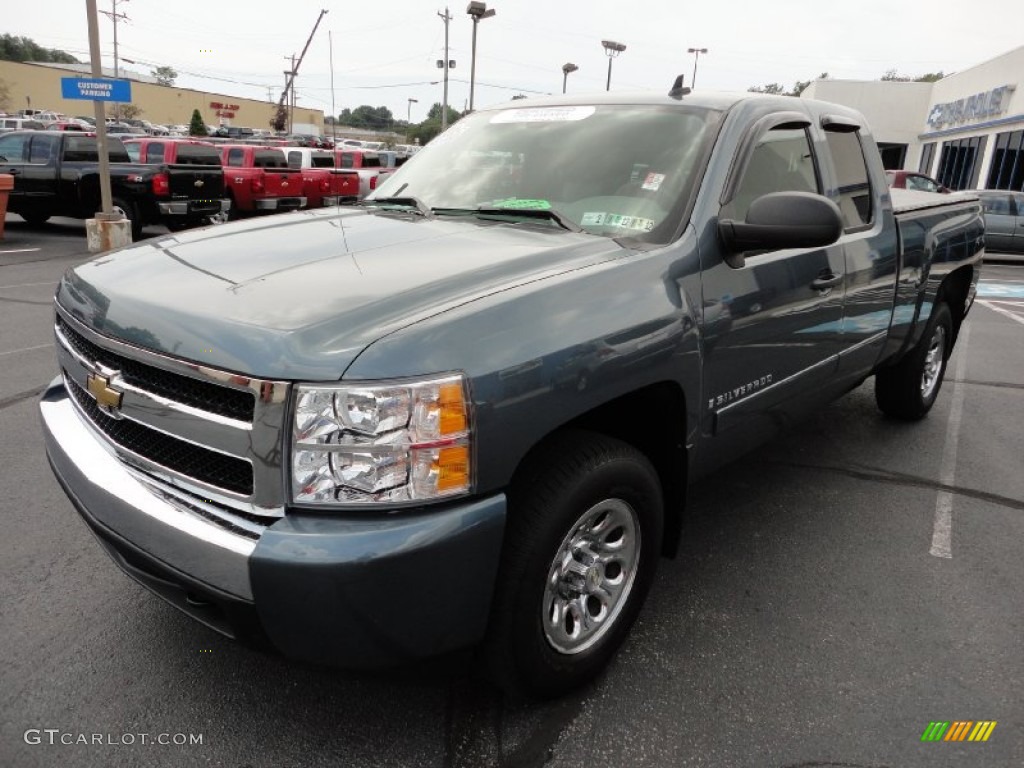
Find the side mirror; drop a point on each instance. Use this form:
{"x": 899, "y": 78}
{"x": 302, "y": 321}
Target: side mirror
{"x": 782, "y": 220}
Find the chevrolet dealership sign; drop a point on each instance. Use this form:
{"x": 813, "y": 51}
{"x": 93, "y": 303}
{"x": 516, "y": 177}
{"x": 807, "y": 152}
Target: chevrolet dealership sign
{"x": 981, "y": 105}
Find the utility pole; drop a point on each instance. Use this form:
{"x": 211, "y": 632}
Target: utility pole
{"x": 114, "y": 16}
{"x": 334, "y": 114}
{"x": 289, "y": 82}
{"x": 445, "y": 17}
{"x": 106, "y": 199}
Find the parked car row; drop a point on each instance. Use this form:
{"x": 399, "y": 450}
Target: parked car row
{"x": 180, "y": 183}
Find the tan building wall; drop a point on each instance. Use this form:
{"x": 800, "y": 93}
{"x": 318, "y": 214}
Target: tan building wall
{"x": 159, "y": 104}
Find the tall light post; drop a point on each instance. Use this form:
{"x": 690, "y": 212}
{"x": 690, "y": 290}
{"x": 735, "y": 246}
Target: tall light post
{"x": 408, "y": 112}
{"x": 478, "y": 11}
{"x": 567, "y": 68}
{"x": 696, "y": 55}
{"x": 611, "y": 49}
{"x": 445, "y": 64}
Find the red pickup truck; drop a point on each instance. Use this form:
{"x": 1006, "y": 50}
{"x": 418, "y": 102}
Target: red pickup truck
{"x": 325, "y": 185}
{"x": 258, "y": 180}
{"x": 367, "y": 164}
{"x": 195, "y": 187}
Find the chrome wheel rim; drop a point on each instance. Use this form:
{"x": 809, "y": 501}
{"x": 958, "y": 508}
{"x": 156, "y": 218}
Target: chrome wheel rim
{"x": 933, "y": 363}
{"x": 591, "y": 576}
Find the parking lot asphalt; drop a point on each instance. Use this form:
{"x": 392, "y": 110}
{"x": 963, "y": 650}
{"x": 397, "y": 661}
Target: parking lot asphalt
{"x": 819, "y": 613}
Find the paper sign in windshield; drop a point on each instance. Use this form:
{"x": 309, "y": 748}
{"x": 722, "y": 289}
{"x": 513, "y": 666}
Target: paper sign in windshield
{"x": 544, "y": 115}
{"x": 653, "y": 181}
{"x": 523, "y": 205}
{"x": 598, "y": 219}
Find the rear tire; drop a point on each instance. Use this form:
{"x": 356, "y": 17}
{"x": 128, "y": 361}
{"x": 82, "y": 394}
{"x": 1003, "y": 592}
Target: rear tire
{"x": 581, "y": 547}
{"x": 131, "y": 213}
{"x": 35, "y": 219}
{"x": 908, "y": 389}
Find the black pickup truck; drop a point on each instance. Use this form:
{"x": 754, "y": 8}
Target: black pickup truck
{"x": 56, "y": 173}
{"x": 466, "y": 413}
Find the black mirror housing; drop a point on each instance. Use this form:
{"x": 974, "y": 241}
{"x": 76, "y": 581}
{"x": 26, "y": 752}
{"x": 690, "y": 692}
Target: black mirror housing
{"x": 784, "y": 220}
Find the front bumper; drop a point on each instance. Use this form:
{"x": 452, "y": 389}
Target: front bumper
{"x": 193, "y": 208}
{"x": 363, "y": 591}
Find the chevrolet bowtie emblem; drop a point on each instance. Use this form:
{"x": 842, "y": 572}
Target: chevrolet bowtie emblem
{"x": 198, "y": 183}
{"x": 99, "y": 387}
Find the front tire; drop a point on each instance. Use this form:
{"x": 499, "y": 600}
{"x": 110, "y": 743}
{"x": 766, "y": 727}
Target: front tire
{"x": 581, "y": 548}
{"x": 908, "y": 389}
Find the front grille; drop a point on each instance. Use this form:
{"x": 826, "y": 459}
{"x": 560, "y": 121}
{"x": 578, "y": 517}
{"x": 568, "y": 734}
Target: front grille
{"x": 216, "y": 469}
{"x": 223, "y": 401}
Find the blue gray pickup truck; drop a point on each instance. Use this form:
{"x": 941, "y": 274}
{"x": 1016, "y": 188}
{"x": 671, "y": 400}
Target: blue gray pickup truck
{"x": 465, "y": 413}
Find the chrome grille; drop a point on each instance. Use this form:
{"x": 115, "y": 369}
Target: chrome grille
{"x": 211, "y": 438}
{"x": 231, "y": 403}
{"x": 216, "y": 469}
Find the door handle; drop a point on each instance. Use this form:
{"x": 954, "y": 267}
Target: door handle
{"x": 826, "y": 280}
{"x": 12, "y": 172}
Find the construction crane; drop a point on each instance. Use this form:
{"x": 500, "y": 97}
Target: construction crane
{"x": 288, "y": 94}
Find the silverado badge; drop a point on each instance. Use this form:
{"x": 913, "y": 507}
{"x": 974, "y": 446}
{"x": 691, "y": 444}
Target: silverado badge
{"x": 198, "y": 183}
{"x": 106, "y": 396}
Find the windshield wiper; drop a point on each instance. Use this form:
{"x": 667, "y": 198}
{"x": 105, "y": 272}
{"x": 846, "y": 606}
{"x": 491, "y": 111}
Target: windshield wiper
{"x": 404, "y": 202}
{"x": 549, "y": 214}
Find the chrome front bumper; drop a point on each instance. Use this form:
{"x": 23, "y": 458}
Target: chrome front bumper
{"x": 118, "y": 499}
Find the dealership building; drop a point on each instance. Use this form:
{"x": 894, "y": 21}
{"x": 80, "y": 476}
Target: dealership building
{"x": 966, "y": 130}
{"x": 38, "y": 86}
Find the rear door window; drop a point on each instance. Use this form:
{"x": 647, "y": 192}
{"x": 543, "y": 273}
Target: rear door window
{"x": 295, "y": 160}
{"x": 155, "y": 153}
{"x": 998, "y": 205}
{"x": 270, "y": 159}
{"x": 197, "y": 154}
{"x": 41, "y": 149}
{"x": 852, "y": 178}
{"x": 236, "y": 157}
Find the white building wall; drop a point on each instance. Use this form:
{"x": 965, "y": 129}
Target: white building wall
{"x": 985, "y": 100}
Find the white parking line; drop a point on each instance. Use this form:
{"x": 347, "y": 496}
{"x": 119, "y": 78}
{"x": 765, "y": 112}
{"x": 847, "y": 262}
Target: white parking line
{"x": 24, "y": 349}
{"x": 27, "y": 285}
{"x": 1001, "y": 311}
{"x": 942, "y": 533}
{"x": 20, "y": 250}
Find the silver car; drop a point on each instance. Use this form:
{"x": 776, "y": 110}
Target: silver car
{"x": 1004, "y": 220}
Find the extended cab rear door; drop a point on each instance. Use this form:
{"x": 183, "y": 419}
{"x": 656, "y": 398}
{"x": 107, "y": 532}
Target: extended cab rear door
{"x": 771, "y": 319}
{"x": 869, "y": 241}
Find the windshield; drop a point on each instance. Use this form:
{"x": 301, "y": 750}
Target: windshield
{"x": 612, "y": 170}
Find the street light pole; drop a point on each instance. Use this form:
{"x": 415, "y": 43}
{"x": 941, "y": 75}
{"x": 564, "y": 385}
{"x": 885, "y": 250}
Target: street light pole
{"x": 696, "y": 55}
{"x": 611, "y": 49}
{"x": 445, "y": 17}
{"x": 478, "y": 11}
{"x": 106, "y": 199}
{"x": 408, "y": 113}
{"x": 567, "y": 68}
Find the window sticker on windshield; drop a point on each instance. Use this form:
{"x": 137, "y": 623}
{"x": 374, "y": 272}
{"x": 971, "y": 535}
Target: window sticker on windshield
{"x": 515, "y": 202}
{"x": 544, "y": 115}
{"x": 653, "y": 181}
{"x": 596, "y": 219}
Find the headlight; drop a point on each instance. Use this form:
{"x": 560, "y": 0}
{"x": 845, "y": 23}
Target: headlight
{"x": 395, "y": 442}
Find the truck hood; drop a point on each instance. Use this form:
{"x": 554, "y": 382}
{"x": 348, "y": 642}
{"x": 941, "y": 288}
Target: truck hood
{"x": 299, "y": 296}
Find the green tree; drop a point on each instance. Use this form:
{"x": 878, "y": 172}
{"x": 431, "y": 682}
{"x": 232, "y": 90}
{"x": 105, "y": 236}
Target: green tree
{"x": 164, "y": 75}
{"x": 778, "y": 89}
{"x": 929, "y": 77}
{"x": 435, "y": 113}
{"x": 14, "y": 48}
{"x": 120, "y": 111}
{"x": 197, "y": 127}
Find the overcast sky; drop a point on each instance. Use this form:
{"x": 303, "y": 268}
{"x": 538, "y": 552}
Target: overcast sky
{"x": 385, "y": 52}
